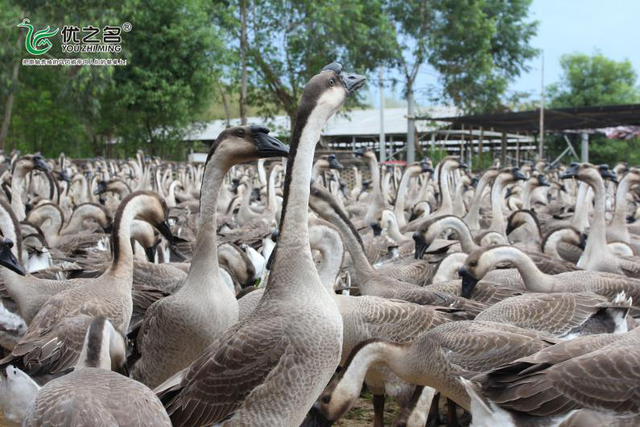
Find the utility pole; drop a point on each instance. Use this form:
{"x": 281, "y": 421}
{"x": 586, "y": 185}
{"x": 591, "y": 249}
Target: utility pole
{"x": 411, "y": 126}
{"x": 584, "y": 149}
{"x": 541, "y": 139}
{"x": 243, "y": 60}
{"x": 383, "y": 147}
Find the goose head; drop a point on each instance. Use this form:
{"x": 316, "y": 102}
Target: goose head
{"x": 589, "y": 173}
{"x": 8, "y": 259}
{"x": 429, "y": 232}
{"x": 115, "y": 185}
{"x": 511, "y": 174}
{"x": 324, "y": 94}
{"x": 30, "y": 162}
{"x": 453, "y": 162}
{"x": 246, "y": 143}
{"x": 150, "y": 207}
{"x": 145, "y": 234}
{"x": 480, "y": 262}
{"x": 334, "y": 163}
{"x": 521, "y": 217}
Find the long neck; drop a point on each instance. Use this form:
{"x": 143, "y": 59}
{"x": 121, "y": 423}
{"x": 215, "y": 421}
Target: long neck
{"x": 461, "y": 229}
{"x": 122, "y": 264}
{"x": 293, "y": 253}
{"x": 271, "y": 195}
{"x": 597, "y": 242}
{"x": 526, "y": 197}
{"x": 17, "y": 185}
{"x": 580, "y": 218}
{"x": 448, "y": 268}
{"x": 204, "y": 274}
{"x": 330, "y": 247}
{"x": 446, "y": 205}
{"x": 393, "y": 229}
{"x": 402, "y": 194}
{"x": 473, "y": 216}
{"x": 619, "y": 221}
{"x": 534, "y": 279}
{"x": 377, "y": 200}
{"x": 550, "y": 244}
{"x": 363, "y": 267}
{"x": 497, "y": 222}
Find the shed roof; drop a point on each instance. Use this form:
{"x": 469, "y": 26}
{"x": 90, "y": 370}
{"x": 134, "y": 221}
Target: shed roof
{"x": 556, "y": 119}
{"x": 352, "y": 123}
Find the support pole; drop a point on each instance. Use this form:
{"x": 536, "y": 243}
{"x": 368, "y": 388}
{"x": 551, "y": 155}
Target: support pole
{"x": 541, "y": 139}
{"x": 383, "y": 148}
{"x": 503, "y": 150}
{"x": 411, "y": 128}
{"x": 584, "y": 149}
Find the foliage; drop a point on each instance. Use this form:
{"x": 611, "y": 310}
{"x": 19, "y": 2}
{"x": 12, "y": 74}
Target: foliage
{"x": 477, "y": 46}
{"x": 184, "y": 62}
{"x": 592, "y": 80}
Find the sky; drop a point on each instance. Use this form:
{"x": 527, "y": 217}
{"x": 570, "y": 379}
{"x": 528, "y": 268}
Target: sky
{"x": 566, "y": 26}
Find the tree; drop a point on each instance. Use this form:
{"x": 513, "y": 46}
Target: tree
{"x": 168, "y": 81}
{"x": 593, "y": 80}
{"x": 289, "y": 41}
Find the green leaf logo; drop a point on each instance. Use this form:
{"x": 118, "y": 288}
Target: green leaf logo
{"x": 38, "y": 43}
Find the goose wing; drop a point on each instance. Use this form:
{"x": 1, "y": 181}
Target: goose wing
{"x": 217, "y": 383}
{"x": 605, "y": 380}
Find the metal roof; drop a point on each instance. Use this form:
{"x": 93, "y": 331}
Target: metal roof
{"x": 352, "y": 123}
{"x": 555, "y": 119}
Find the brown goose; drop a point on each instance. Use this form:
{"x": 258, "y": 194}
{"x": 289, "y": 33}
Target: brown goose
{"x": 93, "y": 394}
{"x": 481, "y": 261}
{"x": 55, "y": 335}
{"x": 435, "y": 359}
{"x": 177, "y": 329}
{"x": 254, "y": 374}
{"x": 370, "y": 281}
{"x": 597, "y": 375}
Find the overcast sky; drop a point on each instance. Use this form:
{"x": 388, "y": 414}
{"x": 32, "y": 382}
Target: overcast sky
{"x": 566, "y": 26}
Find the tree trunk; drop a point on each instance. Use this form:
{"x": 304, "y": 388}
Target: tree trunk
{"x": 227, "y": 113}
{"x": 243, "y": 60}
{"x": 8, "y": 106}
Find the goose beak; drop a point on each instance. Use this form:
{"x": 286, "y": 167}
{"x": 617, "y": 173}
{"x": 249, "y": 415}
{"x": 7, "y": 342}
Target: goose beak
{"x": 165, "y": 230}
{"x": 352, "y": 82}
{"x": 39, "y": 164}
{"x": 64, "y": 176}
{"x": 543, "y": 181}
{"x": 360, "y": 152}
{"x": 421, "y": 245}
{"x": 267, "y": 145}
{"x": 607, "y": 173}
{"x": 377, "y": 230}
{"x": 109, "y": 228}
{"x": 425, "y": 166}
{"x": 583, "y": 241}
{"x": 631, "y": 219}
{"x": 518, "y": 176}
{"x": 572, "y": 172}
{"x": 334, "y": 163}
{"x": 8, "y": 260}
{"x": 102, "y": 188}
{"x": 151, "y": 251}
{"x": 468, "y": 282}
{"x": 462, "y": 165}
{"x": 510, "y": 228}
{"x": 315, "y": 418}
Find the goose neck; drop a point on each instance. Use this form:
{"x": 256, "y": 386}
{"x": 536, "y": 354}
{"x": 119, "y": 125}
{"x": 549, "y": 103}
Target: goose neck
{"x": 597, "y": 240}
{"x": 399, "y": 208}
{"x": 463, "y": 232}
{"x": 353, "y": 243}
{"x": 580, "y": 218}
{"x": 534, "y": 279}
{"x": 446, "y": 204}
{"x": 497, "y": 222}
{"x": 619, "y": 220}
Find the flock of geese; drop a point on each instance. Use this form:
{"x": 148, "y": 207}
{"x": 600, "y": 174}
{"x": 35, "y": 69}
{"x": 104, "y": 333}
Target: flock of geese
{"x": 148, "y": 293}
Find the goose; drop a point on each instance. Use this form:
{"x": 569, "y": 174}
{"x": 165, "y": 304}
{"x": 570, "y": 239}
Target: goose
{"x": 481, "y": 261}
{"x": 505, "y": 177}
{"x": 376, "y": 200}
{"x": 289, "y": 333}
{"x": 444, "y": 169}
{"x": 178, "y": 328}
{"x": 434, "y": 359}
{"x": 54, "y": 339}
{"x": 20, "y": 170}
{"x": 472, "y": 218}
{"x": 586, "y": 381}
{"x": 566, "y": 234}
{"x": 325, "y": 163}
{"x": 427, "y": 234}
{"x": 410, "y": 172}
{"x": 370, "y": 281}
{"x": 563, "y": 315}
{"x": 93, "y": 394}
{"x": 617, "y": 230}
{"x": 596, "y": 255}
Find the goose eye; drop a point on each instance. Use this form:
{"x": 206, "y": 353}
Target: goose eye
{"x": 473, "y": 263}
{"x": 332, "y": 82}
{"x": 240, "y": 133}
{"x": 326, "y": 400}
